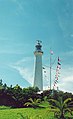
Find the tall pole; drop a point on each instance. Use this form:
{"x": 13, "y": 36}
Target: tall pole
{"x": 50, "y": 69}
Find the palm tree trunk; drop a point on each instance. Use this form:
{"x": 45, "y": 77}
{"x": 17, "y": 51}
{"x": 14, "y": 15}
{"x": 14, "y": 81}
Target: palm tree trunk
{"x": 62, "y": 115}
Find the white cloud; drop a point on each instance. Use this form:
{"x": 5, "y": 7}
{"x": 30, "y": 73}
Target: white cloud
{"x": 66, "y": 86}
{"x": 69, "y": 79}
{"x": 24, "y": 69}
{"x": 27, "y": 59}
{"x": 25, "y": 73}
{"x": 66, "y": 79}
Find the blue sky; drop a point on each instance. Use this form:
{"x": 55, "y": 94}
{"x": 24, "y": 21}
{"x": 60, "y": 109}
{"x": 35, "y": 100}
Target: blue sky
{"x": 22, "y": 22}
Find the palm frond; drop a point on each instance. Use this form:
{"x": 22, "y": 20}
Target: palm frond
{"x": 67, "y": 100}
{"x": 30, "y": 99}
{"x": 28, "y": 104}
{"x": 68, "y": 110}
{"x": 38, "y": 100}
{"x": 57, "y": 104}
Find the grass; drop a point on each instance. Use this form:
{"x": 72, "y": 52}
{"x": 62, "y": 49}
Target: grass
{"x": 22, "y": 113}
{"x": 32, "y": 113}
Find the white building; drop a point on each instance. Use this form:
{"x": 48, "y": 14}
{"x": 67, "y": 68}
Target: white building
{"x": 38, "y": 78}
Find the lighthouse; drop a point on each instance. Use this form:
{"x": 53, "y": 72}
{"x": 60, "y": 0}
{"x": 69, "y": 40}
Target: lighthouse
{"x": 38, "y": 78}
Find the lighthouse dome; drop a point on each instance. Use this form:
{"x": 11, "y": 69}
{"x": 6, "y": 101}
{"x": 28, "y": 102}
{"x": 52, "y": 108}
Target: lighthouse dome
{"x": 38, "y": 46}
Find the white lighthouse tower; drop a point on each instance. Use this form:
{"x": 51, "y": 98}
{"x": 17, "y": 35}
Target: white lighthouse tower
{"x": 38, "y": 78}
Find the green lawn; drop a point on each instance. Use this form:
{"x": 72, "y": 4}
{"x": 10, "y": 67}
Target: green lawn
{"x": 32, "y": 113}
{"x": 39, "y": 113}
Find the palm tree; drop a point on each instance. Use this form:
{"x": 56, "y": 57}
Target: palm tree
{"x": 61, "y": 106}
{"x": 33, "y": 102}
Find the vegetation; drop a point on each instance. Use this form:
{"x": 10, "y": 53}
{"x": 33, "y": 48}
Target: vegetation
{"x": 27, "y": 113}
{"x": 61, "y": 107}
{"x": 33, "y": 102}
{"x": 53, "y": 104}
{"x": 16, "y": 96}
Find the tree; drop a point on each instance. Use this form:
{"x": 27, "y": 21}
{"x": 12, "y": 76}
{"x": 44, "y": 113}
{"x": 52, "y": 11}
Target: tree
{"x": 61, "y": 106}
{"x": 1, "y": 82}
{"x": 17, "y": 95}
{"x": 33, "y": 102}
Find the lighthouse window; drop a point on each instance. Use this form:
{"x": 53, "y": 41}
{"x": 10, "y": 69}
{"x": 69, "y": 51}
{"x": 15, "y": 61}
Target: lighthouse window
{"x": 39, "y": 48}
